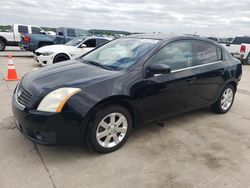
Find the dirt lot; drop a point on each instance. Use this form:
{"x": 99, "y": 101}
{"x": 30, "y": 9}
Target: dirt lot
{"x": 197, "y": 149}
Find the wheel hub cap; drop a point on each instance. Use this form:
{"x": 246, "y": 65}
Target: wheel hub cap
{"x": 111, "y": 130}
{"x": 227, "y": 99}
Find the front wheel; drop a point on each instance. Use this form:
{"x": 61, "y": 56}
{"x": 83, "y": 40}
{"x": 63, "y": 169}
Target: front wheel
{"x": 109, "y": 129}
{"x": 60, "y": 57}
{"x": 225, "y": 100}
{"x": 2, "y": 45}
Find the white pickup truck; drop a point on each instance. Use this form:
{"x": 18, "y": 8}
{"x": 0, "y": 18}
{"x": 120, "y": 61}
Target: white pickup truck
{"x": 239, "y": 47}
{"x": 13, "y": 37}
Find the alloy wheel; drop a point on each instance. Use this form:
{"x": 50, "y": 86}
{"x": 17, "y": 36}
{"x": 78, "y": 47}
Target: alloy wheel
{"x": 227, "y": 99}
{"x": 111, "y": 130}
{"x": 1, "y": 46}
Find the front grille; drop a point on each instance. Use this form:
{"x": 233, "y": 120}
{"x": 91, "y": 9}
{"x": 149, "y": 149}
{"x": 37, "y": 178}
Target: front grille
{"x": 38, "y": 53}
{"x": 22, "y": 96}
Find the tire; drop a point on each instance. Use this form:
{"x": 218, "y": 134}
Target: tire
{"x": 60, "y": 57}
{"x": 111, "y": 136}
{"x": 225, "y": 100}
{"x": 2, "y": 45}
{"x": 247, "y": 61}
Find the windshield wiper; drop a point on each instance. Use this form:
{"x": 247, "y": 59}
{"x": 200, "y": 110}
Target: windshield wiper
{"x": 97, "y": 64}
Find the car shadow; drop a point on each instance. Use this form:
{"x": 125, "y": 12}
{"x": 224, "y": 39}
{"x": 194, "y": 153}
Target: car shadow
{"x": 74, "y": 151}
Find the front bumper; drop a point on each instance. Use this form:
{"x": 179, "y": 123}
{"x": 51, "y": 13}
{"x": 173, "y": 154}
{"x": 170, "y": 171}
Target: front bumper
{"x": 44, "y": 60}
{"x": 48, "y": 128}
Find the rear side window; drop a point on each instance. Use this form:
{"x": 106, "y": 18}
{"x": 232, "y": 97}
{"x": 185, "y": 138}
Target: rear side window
{"x": 23, "y": 29}
{"x": 240, "y": 40}
{"x": 219, "y": 54}
{"x": 177, "y": 55}
{"x": 36, "y": 30}
{"x": 206, "y": 53}
{"x": 71, "y": 32}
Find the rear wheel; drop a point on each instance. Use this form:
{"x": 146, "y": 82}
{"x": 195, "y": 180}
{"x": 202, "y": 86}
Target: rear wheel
{"x": 225, "y": 100}
{"x": 2, "y": 45}
{"x": 109, "y": 129}
{"x": 60, "y": 57}
{"x": 247, "y": 61}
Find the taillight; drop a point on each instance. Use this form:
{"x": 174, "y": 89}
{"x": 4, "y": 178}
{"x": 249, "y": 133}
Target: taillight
{"x": 26, "y": 39}
{"x": 242, "y": 49}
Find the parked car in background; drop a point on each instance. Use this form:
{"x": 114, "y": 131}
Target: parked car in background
{"x": 13, "y": 37}
{"x": 48, "y": 55}
{"x": 31, "y": 42}
{"x": 239, "y": 47}
{"x": 214, "y": 39}
{"x": 127, "y": 82}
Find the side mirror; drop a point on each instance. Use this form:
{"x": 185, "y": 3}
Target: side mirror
{"x": 83, "y": 46}
{"x": 228, "y": 44}
{"x": 158, "y": 69}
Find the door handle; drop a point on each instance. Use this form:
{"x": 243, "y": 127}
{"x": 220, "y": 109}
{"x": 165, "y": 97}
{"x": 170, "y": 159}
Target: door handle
{"x": 191, "y": 80}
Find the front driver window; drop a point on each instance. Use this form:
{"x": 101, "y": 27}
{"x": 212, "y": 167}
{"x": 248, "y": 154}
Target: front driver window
{"x": 91, "y": 43}
{"x": 177, "y": 55}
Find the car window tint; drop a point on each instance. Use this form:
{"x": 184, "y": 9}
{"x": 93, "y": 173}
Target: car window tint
{"x": 91, "y": 43}
{"x": 177, "y": 55}
{"x": 36, "y": 30}
{"x": 219, "y": 54}
{"x": 23, "y": 29}
{"x": 71, "y": 32}
{"x": 100, "y": 42}
{"x": 206, "y": 53}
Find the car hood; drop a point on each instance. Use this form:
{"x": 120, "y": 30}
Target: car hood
{"x": 55, "y": 48}
{"x": 71, "y": 73}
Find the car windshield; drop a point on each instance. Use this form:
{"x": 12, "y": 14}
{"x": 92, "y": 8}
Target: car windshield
{"x": 75, "y": 42}
{"x": 120, "y": 54}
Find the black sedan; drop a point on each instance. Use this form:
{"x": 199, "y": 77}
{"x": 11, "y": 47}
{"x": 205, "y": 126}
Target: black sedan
{"x": 121, "y": 85}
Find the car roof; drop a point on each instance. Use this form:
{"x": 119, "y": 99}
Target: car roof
{"x": 165, "y": 37}
{"x": 85, "y": 37}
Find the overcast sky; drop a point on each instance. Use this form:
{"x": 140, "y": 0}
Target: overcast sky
{"x": 206, "y": 17}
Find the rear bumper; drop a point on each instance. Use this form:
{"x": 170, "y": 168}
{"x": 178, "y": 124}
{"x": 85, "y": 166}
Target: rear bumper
{"x": 238, "y": 56}
{"x": 27, "y": 47}
{"x": 48, "y": 128}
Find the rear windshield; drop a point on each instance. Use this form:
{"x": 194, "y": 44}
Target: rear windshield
{"x": 240, "y": 40}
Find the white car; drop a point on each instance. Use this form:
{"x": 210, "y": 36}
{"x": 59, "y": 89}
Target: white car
{"x": 48, "y": 55}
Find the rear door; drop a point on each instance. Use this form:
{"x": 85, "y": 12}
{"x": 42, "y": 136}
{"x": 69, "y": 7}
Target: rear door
{"x": 210, "y": 71}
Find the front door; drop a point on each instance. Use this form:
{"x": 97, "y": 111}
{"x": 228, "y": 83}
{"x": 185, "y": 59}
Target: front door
{"x": 167, "y": 94}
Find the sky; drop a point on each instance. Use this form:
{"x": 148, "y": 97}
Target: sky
{"x": 204, "y": 17}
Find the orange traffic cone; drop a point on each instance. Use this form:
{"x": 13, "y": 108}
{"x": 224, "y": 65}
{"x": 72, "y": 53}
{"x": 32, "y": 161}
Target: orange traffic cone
{"x": 12, "y": 75}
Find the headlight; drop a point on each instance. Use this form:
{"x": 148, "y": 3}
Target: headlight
{"x": 55, "y": 100}
{"x": 47, "y": 53}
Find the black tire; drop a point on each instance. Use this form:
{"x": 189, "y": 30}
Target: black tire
{"x": 94, "y": 127}
{"x": 217, "y": 107}
{"x": 2, "y": 45}
{"x": 60, "y": 57}
{"x": 247, "y": 60}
